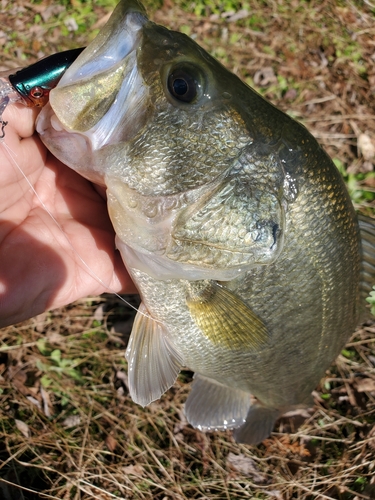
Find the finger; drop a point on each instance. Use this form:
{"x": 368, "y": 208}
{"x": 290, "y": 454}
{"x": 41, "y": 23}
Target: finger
{"x": 21, "y": 163}
{"x": 21, "y": 118}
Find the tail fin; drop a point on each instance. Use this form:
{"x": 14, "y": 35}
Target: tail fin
{"x": 367, "y": 229}
{"x": 258, "y": 426}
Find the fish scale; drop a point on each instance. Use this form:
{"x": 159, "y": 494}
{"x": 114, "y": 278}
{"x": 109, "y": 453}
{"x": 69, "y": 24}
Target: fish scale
{"x": 232, "y": 221}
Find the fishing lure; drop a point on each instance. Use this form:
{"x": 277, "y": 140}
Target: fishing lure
{"x": 31, "y": 86}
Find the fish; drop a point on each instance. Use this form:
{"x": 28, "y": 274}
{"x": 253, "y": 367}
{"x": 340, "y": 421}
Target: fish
{"x": 231, "y": 219}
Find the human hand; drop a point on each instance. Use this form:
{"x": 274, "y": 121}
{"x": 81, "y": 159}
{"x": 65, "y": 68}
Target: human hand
{"x": 40, "y": 261}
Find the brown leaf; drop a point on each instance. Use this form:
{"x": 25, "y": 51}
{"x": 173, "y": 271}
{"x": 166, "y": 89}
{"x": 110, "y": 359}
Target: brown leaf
{"x": 99, "y": 313}
{"x": 364, "y": 384}
{"x": 247, "y": 466}
{"x": 366, "y": 147}
{"x": 72, "y": 421}
{"x": 47, "y": 405}
{"x": 111, "y": 443}
{"x": 274, "y": 494}
{"x": 265, "y": 76}
{"x": 18, "y": 378}
{"x": 135, "y": 470}
{"x": 23, "y": 428}
{"x": 34, "y": 401}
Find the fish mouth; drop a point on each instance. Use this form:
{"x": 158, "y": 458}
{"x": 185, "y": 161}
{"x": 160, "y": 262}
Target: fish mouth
{"x": 83, "y": 112}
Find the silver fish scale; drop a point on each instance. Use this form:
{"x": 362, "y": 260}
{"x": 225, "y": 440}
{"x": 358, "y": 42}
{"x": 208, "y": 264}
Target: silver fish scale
{"x": 166, "y": 302}
{"x": 166, "y": 161}
{"x": 293, "y": 297}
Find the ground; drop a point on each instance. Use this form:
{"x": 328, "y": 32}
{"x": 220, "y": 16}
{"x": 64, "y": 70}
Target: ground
{"x": 68, "y": 428}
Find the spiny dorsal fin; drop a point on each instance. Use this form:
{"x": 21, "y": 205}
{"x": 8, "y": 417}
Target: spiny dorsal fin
{"x": 213, "y": 406}
{"x": 224, "y": 318}
{"x": 154, "y": 362}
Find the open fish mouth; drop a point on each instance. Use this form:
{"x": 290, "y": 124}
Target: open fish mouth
{"x": 83, "y": 111}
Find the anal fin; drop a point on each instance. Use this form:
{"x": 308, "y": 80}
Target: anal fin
{"x": 213, "y": 406}
{"x": 259, "y": 424}
{"x": 153, "y": 361}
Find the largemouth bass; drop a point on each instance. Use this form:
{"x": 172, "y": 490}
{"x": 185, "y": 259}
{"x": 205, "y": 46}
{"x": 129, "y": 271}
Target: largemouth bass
{"x": 233, "y": 222}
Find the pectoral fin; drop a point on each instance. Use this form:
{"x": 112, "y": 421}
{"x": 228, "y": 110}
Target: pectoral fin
{"x": 213, "y": 406}
{"x": 154, "y": 362}
{"x": 224, "y": 318}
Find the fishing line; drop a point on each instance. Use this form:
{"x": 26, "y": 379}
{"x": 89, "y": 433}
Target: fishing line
{"x": 12, "y": 155}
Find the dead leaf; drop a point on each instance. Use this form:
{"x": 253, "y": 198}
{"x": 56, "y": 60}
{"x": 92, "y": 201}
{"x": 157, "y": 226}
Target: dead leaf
{"x": 46, "y": 401}
{"x": 72, "y": 421}
{"x": 18, "y": 378}
{"x": 366, "y": 147}
{"x": 23, "y": 428}
{"x": 55, "y": 338}
{"x": 236, "y": 16}
{"x": 265, "y": 76}
{"x": 71, "y": 24}
{"x": 275, "y": 494}
{"x": 364, "y": 384}
{"x": 135, "y": 470}
{"x": 99, "y": 313}
{"x": 111, "y": 443}
{"x": 182, "y": 423}
{"x": 40, "y": 321}
{"x": 247, "y": 466}
{"x": 123, "y": 377}
{"x": 284, "y": 445}
{"x": 34, "y": 402}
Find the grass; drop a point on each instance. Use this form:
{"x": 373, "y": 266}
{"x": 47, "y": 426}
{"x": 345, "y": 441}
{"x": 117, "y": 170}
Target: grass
{"x": 68, "y": 429}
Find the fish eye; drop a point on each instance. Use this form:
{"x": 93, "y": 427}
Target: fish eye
{"x": 183, "y": 84}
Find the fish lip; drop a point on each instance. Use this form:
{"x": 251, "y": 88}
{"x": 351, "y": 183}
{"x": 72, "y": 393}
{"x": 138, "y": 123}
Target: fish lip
{"x": 69, "y": 147}
{"x": 87, "y": 88}
{"x": 113, "y": 43}
{"x": 114, "y": 49}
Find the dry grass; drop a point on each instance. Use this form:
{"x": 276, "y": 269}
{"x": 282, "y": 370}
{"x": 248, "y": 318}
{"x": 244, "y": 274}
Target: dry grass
{"x": 68, "y": 428}
{"x": 78, "y": 434}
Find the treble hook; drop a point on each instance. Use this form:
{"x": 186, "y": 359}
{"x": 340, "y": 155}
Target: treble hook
{"x": 3, "y": 104}
{"x": 3, "y": 124}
